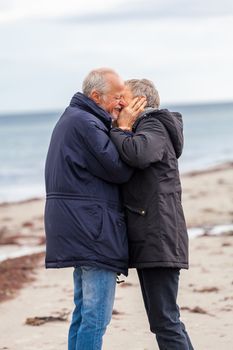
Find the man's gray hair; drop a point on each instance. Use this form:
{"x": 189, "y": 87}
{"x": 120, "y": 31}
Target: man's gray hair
{"x": 144, "y": 87}
{"x": 96, "y": 80}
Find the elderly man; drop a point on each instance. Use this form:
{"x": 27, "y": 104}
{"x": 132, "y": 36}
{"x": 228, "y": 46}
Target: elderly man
{"x": 158, "y": 241}
{"x": 84, "y": 221}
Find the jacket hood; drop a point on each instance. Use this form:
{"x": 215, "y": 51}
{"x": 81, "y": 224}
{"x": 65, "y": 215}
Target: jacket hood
{"x": 85, "y": 103}
{"x": 173, "y": 123}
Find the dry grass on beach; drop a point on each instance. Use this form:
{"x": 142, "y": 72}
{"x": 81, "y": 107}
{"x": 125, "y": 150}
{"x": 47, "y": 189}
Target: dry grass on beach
{"x": 16, "y": 273}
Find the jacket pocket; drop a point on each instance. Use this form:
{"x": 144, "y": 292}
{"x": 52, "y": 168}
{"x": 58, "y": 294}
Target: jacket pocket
{"x": 136, "y": 221}
{"x": 113, "y": 243}
{"x": 90, "y": 218}
{"x": 168, "y": 215}
{"x": 138, "y": 211}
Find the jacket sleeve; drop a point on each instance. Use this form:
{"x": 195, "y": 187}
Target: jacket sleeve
{"x": 143, "y": 147}
{"x": 102, "y": 158}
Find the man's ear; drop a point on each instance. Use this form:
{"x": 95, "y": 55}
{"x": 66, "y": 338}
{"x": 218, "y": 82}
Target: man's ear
{"x": 95, "y": 96}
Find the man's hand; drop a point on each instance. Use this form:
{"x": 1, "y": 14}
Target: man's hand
{"x": 129, "y": 114}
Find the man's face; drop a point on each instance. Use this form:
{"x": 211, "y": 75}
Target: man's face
{"x": 113, "y": 101}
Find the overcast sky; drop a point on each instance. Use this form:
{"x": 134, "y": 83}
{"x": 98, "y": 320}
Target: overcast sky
{"x": 47, "y": 48}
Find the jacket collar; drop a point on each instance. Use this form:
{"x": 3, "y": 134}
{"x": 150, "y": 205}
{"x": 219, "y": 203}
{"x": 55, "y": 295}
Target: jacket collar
{"x": 85, "y": 103}
{"x": 147, "y": 111}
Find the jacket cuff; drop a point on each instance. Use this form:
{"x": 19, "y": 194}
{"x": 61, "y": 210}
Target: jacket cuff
{"x": 119, "y": 130}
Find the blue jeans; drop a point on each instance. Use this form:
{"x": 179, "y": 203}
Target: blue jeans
{"x": 94, "y": 291}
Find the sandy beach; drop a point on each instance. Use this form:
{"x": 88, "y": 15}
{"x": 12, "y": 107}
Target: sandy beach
{"x": 36, "y": 304}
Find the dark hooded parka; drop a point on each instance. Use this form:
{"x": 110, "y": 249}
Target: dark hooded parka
{"x": 152, "y": 197}
{"x": 84, "y": 218}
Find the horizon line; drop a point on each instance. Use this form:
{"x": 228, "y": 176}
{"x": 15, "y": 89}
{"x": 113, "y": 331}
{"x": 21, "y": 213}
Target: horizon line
{"x": 169, "y": 104}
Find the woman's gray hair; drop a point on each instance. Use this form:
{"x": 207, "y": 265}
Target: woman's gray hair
{"x": 96, "y": 80}
{"x": 144, "y": 87}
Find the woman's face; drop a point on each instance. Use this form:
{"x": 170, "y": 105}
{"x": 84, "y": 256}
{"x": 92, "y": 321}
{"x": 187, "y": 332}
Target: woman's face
{"x": 127, "y": 95}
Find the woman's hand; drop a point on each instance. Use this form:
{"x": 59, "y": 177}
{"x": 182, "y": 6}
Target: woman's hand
{"x": 129, "y": 114}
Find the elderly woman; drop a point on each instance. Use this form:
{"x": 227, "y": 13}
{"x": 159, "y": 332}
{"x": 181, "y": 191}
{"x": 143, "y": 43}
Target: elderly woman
{"x": 158, "y": 241}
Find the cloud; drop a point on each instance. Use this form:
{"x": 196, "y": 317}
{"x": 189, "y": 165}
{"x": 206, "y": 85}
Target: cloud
{"x": 85, "y": 11}
{"x": 174, "y": 43}
{"x": 180, "y": 8}
{"x": 158, "y": 9}
{"x": 14, "y": 10}
{"x": 4, "y": 4}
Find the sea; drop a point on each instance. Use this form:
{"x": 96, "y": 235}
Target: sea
{"x": 24, "y": 141}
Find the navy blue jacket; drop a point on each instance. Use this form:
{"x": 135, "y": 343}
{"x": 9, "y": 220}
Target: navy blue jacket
{"x": 84, "y": 220}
